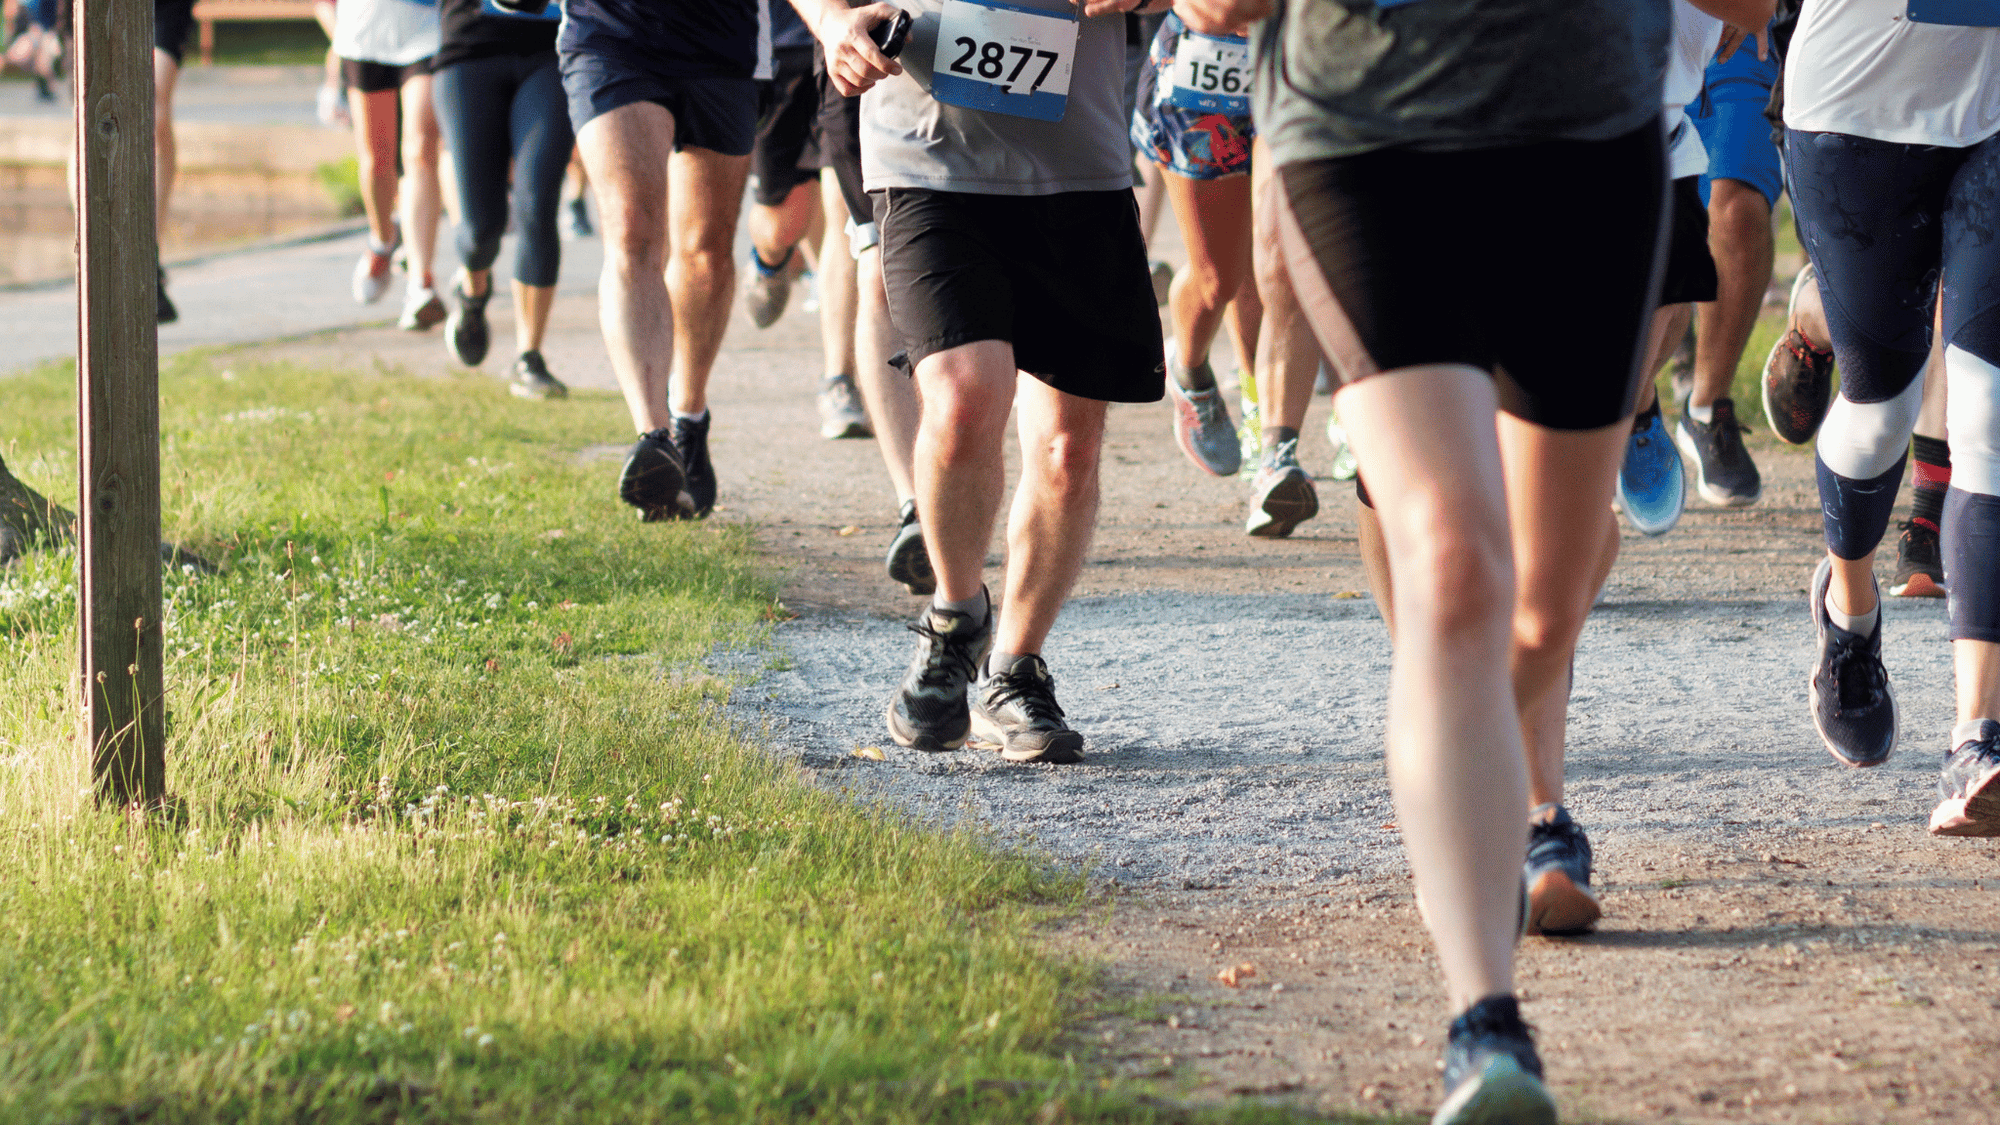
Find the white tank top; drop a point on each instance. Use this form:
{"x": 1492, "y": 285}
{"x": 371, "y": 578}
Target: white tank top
{"x": 1864, "y": 68}
{"x": 390, "y": 32}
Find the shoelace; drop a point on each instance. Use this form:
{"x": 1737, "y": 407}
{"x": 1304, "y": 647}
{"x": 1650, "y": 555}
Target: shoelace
{"x": 947, "y": 654}
{"x": 1805, "y": 353}
{"x": 1859, "y": 674}
{"x": 1031, "y": 691}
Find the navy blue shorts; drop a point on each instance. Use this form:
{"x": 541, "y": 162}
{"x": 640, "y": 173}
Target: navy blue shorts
{"x": 718, "y": 114}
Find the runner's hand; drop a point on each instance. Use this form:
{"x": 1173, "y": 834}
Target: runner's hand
{"x": 1221, "y": 17}
{"x": 1122, "y": 7}
{"x": 1733, "y": 37}
{"x": 852, "y": 59}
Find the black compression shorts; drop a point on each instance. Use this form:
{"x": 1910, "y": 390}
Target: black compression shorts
{"x": 1062, "y": 278}
{"x": 784, "y": 156}
{"x": 1535, "y": 263}
{"x": 1689, "y": 275}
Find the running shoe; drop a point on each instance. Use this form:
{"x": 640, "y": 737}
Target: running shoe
{"x": 1163, "y": 281}
{"x": 421, "y": 309}
{"x": 532, "y": 379}
{"x": 1557, "y": 874}
{"x": 1282, "y": 497}
{"x": 1345, "y": 465}
{"x": 371, "y": 271}
{"x": 909, "y": 561}
{"x": 164, "y": 311}
{"x": 1201, "y": 424}
{"x": 767, "y": 288}
{"x": 1798, "y": 377}
{"x": 1492, "y": 1074}
{"x": 1919, "y": 564}
{"x": 466, "y": 334}
{"x": 1724, "y": 474}
{"x": 691, "y": 440}
{"x": 654, "y": 480}
{"x": 1853, "y": 709}
{"x": 929, "y": 710}
{"x": 1652, "y": 486}
{"x": 577, "y": 220}
{"x": 1015, "y": 712}
{"x": 841, "y": 414}
{"x": 1969, "y": 787}
{"x": 331, "y": 105}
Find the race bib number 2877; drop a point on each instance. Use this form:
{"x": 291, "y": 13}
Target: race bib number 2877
{"x": 1001, "y": 58}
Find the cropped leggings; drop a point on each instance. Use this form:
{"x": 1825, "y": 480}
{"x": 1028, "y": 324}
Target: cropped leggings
{"x": 1893, "y": 230}
{"x": 496, "y": 111}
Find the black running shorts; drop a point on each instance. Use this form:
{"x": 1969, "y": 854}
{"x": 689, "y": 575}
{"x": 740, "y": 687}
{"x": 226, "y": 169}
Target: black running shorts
{"x": 172, "y": 20}
{"x": 364, "y": 77}
{"x": 1063, "y": 278}
{"x": 838, "y": 137}
{"x": 1690, "y": 269}
{"x": 1533, "y": 262}
{"x": 715, "y": 113}
{"x": 784, "y": 156}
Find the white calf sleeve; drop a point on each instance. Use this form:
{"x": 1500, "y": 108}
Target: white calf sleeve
{"x": 1861, "y": 441}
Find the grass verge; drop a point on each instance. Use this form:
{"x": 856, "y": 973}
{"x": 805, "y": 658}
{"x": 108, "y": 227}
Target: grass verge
{"x": 465, "y": 836}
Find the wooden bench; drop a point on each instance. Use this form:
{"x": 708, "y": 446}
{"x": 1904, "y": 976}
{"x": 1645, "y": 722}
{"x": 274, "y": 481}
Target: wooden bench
{"x": 207, "y": 12}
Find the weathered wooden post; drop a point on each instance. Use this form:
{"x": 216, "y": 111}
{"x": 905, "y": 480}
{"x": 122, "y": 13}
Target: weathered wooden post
{"x": 118, "y": 405}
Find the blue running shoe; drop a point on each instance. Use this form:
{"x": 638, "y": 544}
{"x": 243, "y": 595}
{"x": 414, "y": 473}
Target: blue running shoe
{"x": 1652, "y": 486}
{"x": 1557, "y": 872}
{"x": 1492, "y": 1075}
{"x": 1970, "y": 784}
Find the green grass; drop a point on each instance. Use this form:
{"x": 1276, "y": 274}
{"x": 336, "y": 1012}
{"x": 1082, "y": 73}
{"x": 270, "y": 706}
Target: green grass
{"x": 465, "y": 837}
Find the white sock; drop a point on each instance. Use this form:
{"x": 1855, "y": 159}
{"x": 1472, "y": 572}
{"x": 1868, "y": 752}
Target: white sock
{"x": 1859, "y": 624}
{"x": 971, "y": 607}
{"x": 701, "y": 417}
{"x": 1703, "y": 414}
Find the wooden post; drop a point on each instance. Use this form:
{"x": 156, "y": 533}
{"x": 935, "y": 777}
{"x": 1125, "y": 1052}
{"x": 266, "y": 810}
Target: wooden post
{"x": 118, "y": 406}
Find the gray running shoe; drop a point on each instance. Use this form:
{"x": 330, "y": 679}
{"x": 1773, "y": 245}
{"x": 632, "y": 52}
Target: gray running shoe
{"x": 466, "y": 334}
{"x": 577, "y": 220}
{"x": 909, "y": 562}
{"x": 767, "y": 289}
{"x": 1557, "y": 873}
{"x": 1282, "y": 497}
{"x": 532, "y": 379}
{"x": 1163, "y": 281}
{"x": 841, "y": 414}
{"x": 1201, "y": 426}
{"x": 1015, "y": 712}
{"x": 1723, "y": 471}
{"x": 929, "y": 711}
{"x": 1969, "y": 788}
{"x": 1492, "y": 1073}
{"x": 1919, "y": 563}
{"x": 1853, "y": 709}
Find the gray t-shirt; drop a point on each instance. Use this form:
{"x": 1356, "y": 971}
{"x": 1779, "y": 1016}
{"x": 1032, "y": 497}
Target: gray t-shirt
{"x": 909, "y": 139}
{"x": 1343, "y": 77}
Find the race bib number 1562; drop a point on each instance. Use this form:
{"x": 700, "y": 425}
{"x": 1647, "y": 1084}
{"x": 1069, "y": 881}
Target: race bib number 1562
{"x": 1212, "y": 73}
{"x": 1004, "y": 59}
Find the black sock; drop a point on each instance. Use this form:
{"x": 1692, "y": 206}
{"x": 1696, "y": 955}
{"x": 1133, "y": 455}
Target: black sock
{"x": 1200, "y": 377}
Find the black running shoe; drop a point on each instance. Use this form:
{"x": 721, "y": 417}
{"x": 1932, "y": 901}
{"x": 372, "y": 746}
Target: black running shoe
{"x": 165, "y": 311}
{"x": 929, "y": 711}
{"x": 1015, "y": 712}
{"x": 1557, "y": 873}
{"x": 532, "y": 379}
{"x": 1492, "y": 1075}
{"x": 1852, "y": 706}
{"x": 1723, "y": 471}
{"x": 1919, "y": 564}
{"x": 654, "y": 480}
{"x": 691, "y": 439}
{"x": 1798, "y": 387}
{"x": 465, "y": 330}
{"x": 909, "y": 561}
{"x": 1969, "y": 788}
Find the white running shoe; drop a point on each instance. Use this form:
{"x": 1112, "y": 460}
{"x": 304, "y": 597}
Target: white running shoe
{"x": 422, "y": 310}
{"x": 371, "y": 273}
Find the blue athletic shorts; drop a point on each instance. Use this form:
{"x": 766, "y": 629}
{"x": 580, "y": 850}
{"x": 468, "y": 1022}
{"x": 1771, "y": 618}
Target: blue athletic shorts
{"x": 1729, "y": 115}
{"x": 1192, "y": 143}
{"x": 719, "y": 114}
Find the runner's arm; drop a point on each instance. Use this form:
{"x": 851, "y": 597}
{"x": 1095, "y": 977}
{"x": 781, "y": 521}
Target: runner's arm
{"x": 1746, "y": 19}
{"x": 1220, "y": 17}
{"x": 852, "y": 59}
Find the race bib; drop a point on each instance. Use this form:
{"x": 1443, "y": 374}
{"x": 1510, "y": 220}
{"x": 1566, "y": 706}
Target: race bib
{"x": 1212, "y": 73}
{"x": 999, "y": 58}
{"x": 1962, "y": 13}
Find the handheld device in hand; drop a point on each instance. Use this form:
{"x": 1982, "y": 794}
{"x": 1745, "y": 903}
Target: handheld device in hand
{"x": 891, "y": 35}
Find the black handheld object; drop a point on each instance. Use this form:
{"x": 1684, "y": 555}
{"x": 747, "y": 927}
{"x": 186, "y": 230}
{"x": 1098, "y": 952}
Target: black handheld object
{"x": 889, "y": 35}
{"x": 524, "y": 7}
